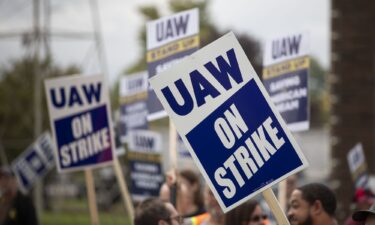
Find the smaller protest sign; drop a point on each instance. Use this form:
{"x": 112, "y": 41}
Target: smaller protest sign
{"x": 34, "y": 163}
{"x": 285, "y": 77}
{"x": 169, "y": 39}
{"x": 133, "y": 103}
{"x": 145, "y": 164}
{"x": 358, "y": 166}
{"x": 81, "y": 122}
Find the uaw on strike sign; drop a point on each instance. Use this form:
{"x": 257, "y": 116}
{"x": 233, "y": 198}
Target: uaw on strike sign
{"x": 80, "y": 121}
{"x": 228, "y": 122}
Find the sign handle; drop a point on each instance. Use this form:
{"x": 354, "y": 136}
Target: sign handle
{"x": 275, "y": 207}
{"x": 123, "y": 188}
{"x": 173, "y": 144}
{"x": 282, "y": 194}
{"x": 91, "y": 197}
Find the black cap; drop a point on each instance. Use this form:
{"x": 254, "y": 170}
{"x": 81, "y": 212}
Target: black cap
{"x": 362, "y": 214}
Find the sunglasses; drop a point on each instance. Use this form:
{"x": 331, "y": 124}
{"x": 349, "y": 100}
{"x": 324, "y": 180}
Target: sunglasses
{"x": 258, "y": 218}
{"x": 178, "y": 218}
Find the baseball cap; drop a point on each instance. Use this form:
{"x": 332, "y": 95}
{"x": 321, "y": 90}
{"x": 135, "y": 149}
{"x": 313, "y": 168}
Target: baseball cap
{"x": 364, "y": 195}
{"x": 361, "y": 215}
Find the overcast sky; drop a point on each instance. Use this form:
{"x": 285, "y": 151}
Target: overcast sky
{"x": 121, "y": 22}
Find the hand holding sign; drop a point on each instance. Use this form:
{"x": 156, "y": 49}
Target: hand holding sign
{"x": 228, "y": 122}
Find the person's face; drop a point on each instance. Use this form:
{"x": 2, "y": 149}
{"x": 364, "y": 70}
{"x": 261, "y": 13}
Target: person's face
{"x": 212, "y": 206}
{"x": 175, "y": 218}
{"x": 5, "y": 184}
{"x": 257, "y": 217}
{"x": 299, "y": 211}
{"x": 370, "y": 220}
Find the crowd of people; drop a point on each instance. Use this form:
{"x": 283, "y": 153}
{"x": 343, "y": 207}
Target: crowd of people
{"x": 185, "y": 200}
{"x": 311, "y": 204}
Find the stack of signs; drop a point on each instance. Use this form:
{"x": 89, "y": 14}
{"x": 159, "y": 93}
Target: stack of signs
{"x": 145, "y": 164}
{"x": 34, "y": 163}
{"x": 169, "y": 39}
{"x": 228, "y": 122}
{"x": 133, "y": 106}
{"x": 285, "y": 77}
{"x": 81, "y": 122}
{"x": 358, "y": 166}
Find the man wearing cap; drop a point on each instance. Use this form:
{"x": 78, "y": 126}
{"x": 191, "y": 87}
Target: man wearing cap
{"x": 15, "y": 207}
{"x": 362, "y": 200}
{"x": 366, "y": 216}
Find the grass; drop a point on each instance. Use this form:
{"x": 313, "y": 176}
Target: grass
{"x": 76, "y": 212}
{"x": 64, "y": 218}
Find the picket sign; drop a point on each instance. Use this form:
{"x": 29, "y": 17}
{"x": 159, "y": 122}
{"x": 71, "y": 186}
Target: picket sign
{"x": 80, "y": 118}
{"x": 220, "y": 108}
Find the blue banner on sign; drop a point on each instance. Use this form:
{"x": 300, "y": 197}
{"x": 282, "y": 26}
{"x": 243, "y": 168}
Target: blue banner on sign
{"x": 251, "y": 148}
{"x": 146, "y": 179}
{"x": 133, "y": 117}
{"x": 84, "y": 139}
{"x": 289, "y": 93}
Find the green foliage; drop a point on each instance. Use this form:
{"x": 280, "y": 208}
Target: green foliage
{"x": 318, "y": 93}
{"x": 17, "y": 102}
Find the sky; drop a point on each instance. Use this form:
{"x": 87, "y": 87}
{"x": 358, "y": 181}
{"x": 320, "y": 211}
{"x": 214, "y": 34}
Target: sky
{"x": 121, "y": 23}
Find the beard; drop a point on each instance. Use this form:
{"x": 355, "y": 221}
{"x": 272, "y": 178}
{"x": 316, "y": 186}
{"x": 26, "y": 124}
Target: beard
{"x": 307, "y": 221}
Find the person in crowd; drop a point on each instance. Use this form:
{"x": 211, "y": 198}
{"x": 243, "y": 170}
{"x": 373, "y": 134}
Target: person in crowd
{"x": 312, "y": 204}
{"x": 154, "y": 211}
{"x": 362, "y": 200}
{"x": 248, "y": 213}
{"x": 187, "y": 198}
{"x": 214, "y": 215}
{"x": 192, "y": 203}
{"x": 15, "y": 207}
{"x": 366, "y": 217}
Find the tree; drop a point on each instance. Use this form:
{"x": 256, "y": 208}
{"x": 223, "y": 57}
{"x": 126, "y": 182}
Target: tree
{"x": 318, "y": 94}
{"x": 16, "y": 102}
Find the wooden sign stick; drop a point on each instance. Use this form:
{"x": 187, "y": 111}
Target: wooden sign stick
{"x": 123, "y": 188}
{"x": 275, "y": 207}
{"x": 173, "y": 144}
{"x": 281, "y": 195}
{"x": 90, "y": 187}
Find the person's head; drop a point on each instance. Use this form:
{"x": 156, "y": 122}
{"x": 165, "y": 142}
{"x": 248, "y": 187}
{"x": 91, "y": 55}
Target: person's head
{"x": 363, "y": 198}
{"x": 310, "y": 204}
{"x": 365, "y": 216}
{"x": 154, "y": 211}
{"x": 212, "y": 206}
{"x": 8, "y": 182}
{"x": 249, "y": 213}
{"x": 192, "y": 182}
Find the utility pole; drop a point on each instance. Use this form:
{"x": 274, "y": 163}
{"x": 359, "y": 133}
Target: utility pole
{"x": 36, "y": 39}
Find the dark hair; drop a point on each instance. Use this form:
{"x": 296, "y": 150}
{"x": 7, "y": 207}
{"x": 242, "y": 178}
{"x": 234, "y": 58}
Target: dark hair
{"x": 316, "y": 191}
{"x": 150, "y": 211}
{"x": 241, "y": 214}
{"x": 193, "y": 178}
